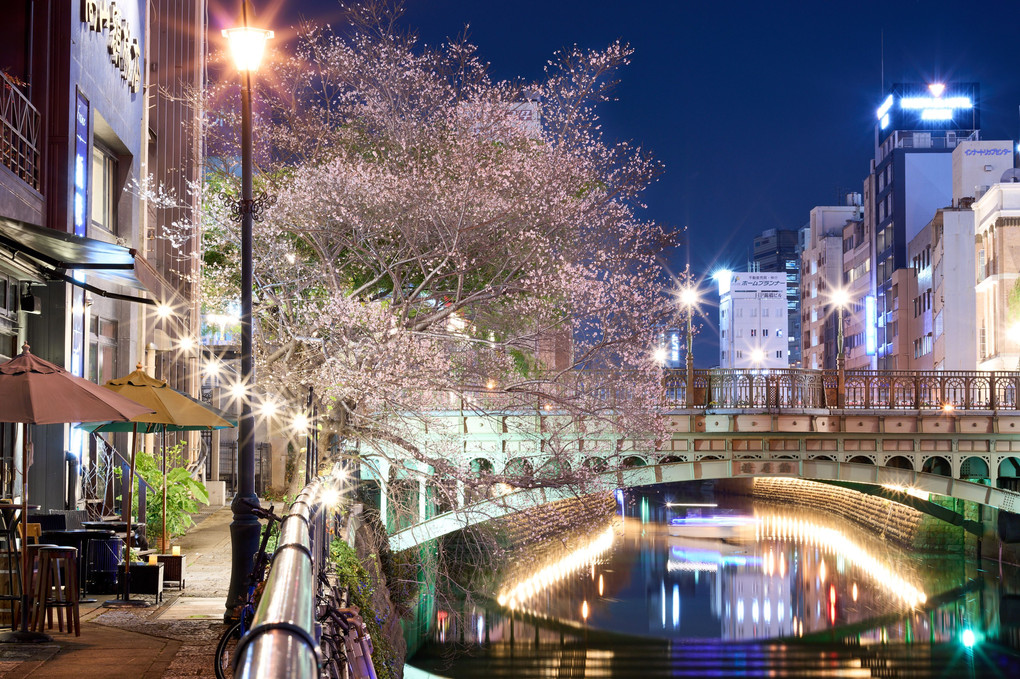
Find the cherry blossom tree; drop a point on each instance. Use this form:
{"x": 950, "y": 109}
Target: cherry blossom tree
{"x": 440, "y": 240}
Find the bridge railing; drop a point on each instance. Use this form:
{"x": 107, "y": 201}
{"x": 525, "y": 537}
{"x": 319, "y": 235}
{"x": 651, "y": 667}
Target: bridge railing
{"x": 862, "y": 389}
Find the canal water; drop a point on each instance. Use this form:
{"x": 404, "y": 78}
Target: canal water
{"x": 684, "y": 582}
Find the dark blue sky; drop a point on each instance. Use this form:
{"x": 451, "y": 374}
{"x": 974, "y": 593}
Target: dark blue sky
{"x": 759, "y": 110}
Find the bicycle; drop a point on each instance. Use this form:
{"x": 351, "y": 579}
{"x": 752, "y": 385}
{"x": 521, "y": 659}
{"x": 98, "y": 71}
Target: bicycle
{"x": 344, "y": 641}
{"x": 223, "y": 660}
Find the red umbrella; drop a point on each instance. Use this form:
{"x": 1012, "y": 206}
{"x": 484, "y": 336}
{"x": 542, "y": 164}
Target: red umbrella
{"x": 34, "y": 391}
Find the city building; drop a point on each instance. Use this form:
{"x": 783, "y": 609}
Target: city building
{"x": 753, "y": 320}
{"x": 940, "y": 293}
{"x": 918, "y": 126}
{"x": 997, "y": 261}
{"x": 778, "y": 251}
{"x": 81, "y": 274}
{"x": 822, "y": 273}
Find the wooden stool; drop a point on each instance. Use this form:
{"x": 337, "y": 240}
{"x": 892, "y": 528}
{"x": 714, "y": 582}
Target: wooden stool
{"x": 57, "y": 588}
{"x": 30, "y": 582}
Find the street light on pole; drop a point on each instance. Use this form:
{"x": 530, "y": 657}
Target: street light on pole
{"x": 689, "y": 298}
{"x": 840, "y": 298}
{"x": 247, "y": 45}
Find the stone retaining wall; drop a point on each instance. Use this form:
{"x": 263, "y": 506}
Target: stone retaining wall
{"x": 890, "y": 520}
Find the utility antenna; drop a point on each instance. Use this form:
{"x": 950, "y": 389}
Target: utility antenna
{"x": 882, "y": 58}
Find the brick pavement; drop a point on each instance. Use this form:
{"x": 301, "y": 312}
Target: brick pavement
{"x": 175, "y": 639}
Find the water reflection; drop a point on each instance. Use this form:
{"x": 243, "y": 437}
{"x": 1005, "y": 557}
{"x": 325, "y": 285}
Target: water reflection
{"x": 764, "y": 572}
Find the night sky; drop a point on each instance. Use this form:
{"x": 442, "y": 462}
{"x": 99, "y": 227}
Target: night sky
{"x": 759, "y": 110}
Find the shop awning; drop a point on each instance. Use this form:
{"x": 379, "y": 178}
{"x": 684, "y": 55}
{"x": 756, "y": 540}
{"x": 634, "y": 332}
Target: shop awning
{"x": 52, "y": 255}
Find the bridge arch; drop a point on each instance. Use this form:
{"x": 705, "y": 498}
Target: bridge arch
{"x": 1008, "y": 473}
{"x": 899, "y": 462}
{"x": 819, "y": 470}
{"x": 936, "y": 464}
{"x": 974, "y": 467}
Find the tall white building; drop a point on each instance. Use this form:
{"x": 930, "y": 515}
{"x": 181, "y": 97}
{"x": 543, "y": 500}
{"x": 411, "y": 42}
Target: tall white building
{"x": 822, "y": 274}
{"x": 753, "y": 320}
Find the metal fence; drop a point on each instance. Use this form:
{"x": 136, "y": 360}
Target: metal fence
{"x": 19, "y": 133}
{"x": 862, "y": 389}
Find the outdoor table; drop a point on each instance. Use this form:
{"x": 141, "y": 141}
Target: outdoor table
{"x": 81, "y": 539}
{"x": 118, "y": 527}
{"x": 10, "y": 516}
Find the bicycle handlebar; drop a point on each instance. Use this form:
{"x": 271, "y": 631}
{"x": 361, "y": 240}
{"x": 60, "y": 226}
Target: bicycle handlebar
{"x": 262, "y": 512}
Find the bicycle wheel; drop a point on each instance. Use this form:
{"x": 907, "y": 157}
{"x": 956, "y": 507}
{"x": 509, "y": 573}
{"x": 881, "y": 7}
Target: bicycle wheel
{"x": 223, "y": 661}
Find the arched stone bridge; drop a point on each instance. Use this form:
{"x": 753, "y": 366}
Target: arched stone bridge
{"x": 950, "y": 433}
{"x": 814, "y": 469}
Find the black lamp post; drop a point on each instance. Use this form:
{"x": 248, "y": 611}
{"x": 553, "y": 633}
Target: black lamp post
{"x": 689, "y": 297}
{"x": 247, "y": 45}
{"x": 840, "y": 298}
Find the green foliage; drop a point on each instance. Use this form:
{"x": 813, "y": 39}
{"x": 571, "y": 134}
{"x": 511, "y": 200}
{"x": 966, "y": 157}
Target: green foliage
{"x": 521, "y": 363}
{"x": 351, "y": 574}
{"x": 183, "y": 493}
{"x": 1013, "y": 304}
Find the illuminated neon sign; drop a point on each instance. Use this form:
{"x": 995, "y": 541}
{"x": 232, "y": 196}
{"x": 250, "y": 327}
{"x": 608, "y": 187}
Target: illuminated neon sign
{"x": 870, "y": 326}
{"x": 935, "y": 102}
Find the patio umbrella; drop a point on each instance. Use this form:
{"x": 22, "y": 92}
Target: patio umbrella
{"x": 172, "y": 411}
{"x": 34, "y": 391}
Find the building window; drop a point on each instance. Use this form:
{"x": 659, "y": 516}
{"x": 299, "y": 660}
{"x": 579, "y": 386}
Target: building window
{"x": 754, "y": 332}
{"x": 104, "y": 192}
{"x": 102, "y": 350}
{"x": 779, "y": 354}
{"x": 764, "y": 332}
{"x": 740, "y": 354}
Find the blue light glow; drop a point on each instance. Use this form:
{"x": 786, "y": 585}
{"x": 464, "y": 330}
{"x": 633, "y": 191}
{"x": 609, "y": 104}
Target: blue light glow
{"x": 885, "y": 121}
{"x": 884, "y": 108}
{"x": 968, "y": 638}
{"x": 723, "y": 277}
{"x": 870, "y": 326}
{"x": 937, "y": 114}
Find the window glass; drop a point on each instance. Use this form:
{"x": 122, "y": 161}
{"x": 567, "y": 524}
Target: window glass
{"x": 104, "y": 176}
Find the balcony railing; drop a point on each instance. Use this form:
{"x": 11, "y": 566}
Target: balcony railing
{"x": 19, "y": 133}
{"x": 863, "y": 389}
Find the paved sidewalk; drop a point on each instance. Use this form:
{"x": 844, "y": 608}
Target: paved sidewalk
{"x": 175, "y": 639}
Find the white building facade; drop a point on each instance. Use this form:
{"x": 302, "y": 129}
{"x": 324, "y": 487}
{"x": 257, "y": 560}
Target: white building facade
{"x": 753, "y": 320}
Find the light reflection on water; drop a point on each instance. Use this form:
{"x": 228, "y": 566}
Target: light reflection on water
{"x": 794, "y": 573}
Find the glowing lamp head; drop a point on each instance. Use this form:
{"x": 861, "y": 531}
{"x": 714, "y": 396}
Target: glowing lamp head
{"x": 269, "y": 408}
{"x": 164, "y": 310}
{"x": 659, "y": 355}
{"x": 840, "y": 298}
{"x": 689, "y": 297}
{"x": 330, "y": 497}
{"x": 300, "y": 423}
{"x": 757, "y": 356}
{"x": 187, "y": 343}
{"x": 247, "y": 45}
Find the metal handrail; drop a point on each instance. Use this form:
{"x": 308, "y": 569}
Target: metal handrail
{"x": 283, "y": 640}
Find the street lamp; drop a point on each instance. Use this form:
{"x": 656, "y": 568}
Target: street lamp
{"x": 247, "y": 44}
{"x": 689, "y": 298}
{"x": 840, "y": 298}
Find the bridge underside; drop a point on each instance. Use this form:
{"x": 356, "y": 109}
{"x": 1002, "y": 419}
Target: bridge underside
{"x": 676, "y": 472}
